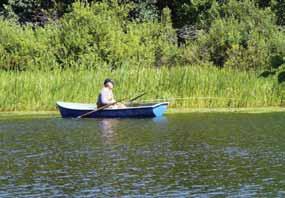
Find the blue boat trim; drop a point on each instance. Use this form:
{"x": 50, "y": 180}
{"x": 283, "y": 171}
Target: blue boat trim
{"x": 73, "y": 110}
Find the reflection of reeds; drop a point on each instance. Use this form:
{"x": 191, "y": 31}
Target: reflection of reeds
{"x": 183, "y": 86}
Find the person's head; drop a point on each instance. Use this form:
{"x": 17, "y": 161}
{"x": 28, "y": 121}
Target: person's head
{"x": 109, "y": 83}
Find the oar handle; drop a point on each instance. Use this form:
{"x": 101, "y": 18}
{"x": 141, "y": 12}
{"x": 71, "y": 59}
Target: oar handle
{"x": 135, "y": 98}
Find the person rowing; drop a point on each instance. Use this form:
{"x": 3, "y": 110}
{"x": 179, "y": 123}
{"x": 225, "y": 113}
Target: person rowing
{"x": 106, "y": 96}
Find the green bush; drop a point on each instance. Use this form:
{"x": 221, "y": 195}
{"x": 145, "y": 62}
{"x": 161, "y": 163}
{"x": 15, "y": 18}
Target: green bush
{"x": 239, "y": 36}
{"x": 91, "y": 36}
{"x": 19, "y": 46}
{"x": 235, "y": 34}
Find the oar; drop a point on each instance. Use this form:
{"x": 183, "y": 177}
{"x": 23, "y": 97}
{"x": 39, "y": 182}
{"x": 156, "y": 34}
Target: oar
{"x": 108, "y": 105}
{"x": 135, "y": 98}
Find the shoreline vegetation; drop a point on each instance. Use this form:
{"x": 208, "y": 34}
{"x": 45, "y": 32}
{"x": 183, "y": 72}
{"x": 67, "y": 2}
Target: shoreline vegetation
{"x": 213, "y": 55}
{"x": 184, "y": 87}
{"x": 171, "y": 111}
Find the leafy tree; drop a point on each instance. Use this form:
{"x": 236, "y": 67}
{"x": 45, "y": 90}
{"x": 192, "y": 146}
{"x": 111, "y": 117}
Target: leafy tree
{"x": 91, "y": 35}
{"x": 143, "y": 10}
{"x": 34, "y": 11}
{"x": 263, "y": 3}
{"x": 279, "y": 8}
{"x": 236, "y": 39}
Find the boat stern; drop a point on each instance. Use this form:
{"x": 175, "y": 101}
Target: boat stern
{"x": 160, "y": 109}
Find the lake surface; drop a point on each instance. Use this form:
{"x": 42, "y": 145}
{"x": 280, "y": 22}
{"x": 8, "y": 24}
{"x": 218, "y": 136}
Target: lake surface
{"x": 181, "y": 155}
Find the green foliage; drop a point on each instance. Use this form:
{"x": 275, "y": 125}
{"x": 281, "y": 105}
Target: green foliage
{"x": 103, "y": 33}
{"x": 34, "y": 11}
{"x": 236, "y": 39}
{"x": 184, "y": 87}
{"x": 184, "y": 12}
{"x": 236, "y": 34}
{"x": 143, "y": 10}
{"x": 96, "y": 38}
{"x": 23, "y": 48}
{"x": 279, "y": 7}
{"x": 91, "y": 36}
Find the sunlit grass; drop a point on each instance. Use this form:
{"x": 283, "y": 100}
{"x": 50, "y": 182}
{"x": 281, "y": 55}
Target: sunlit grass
{"x": 183, "y": 87}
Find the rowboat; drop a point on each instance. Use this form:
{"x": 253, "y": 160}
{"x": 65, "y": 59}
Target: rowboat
{"x": 73, "y": 110}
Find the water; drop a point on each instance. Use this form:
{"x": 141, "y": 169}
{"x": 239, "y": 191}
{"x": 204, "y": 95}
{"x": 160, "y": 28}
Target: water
{"x": 181, "y": 155}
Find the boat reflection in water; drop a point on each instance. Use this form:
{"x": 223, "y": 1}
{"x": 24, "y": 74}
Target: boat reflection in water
{"x": 108, "y": 130}
{"x": 160, "y": 120}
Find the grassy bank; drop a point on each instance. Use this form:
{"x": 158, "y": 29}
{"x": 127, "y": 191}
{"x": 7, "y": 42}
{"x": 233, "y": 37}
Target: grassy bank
{"x": 54, "y": 114}
{"x": 184, "y": 87}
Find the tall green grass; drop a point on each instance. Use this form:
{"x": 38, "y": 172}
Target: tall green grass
{"x": 184, "y": 87}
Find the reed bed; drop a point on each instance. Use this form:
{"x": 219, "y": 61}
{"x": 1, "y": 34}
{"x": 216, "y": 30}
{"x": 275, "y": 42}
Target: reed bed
{"x": 183, "y": 87}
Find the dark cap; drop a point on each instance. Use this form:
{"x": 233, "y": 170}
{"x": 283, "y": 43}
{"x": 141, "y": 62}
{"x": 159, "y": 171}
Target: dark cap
{"x": 108, "y": 80}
